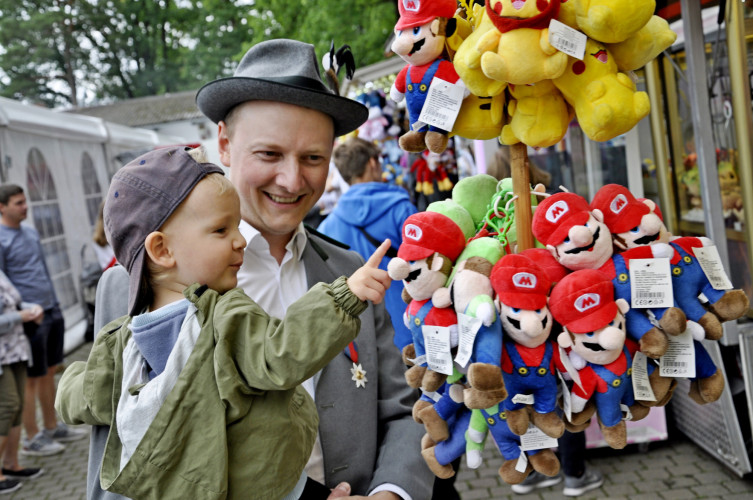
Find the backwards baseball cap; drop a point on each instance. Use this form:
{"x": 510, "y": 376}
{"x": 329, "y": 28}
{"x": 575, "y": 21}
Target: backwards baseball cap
{"x": 142, "y": 195}
{"x": 418, "y": 12}
{"x": 520, "y": 283}
{"x": 583, "y": 301}
{"x": 427, "y": 232}
{"x": 556, "y": 214}
{"x": 621, "y": 210}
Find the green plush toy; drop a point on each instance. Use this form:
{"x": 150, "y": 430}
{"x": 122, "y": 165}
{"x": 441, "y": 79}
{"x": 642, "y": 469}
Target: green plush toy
{"x": 474, "y": 194}
{"x": 457, "y": 213}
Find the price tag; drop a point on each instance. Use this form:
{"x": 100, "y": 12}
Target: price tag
{"x": 433, "y": 395}
{"x": 651, "y": 283}
{"x": 468, "y": 327}
{"x": 437, "y": 342}
{"x": 522, "y": 463}
{"x": 711, "y": 263}
{"x": 570, "y": 368}
{"x": 442, "y": 105}
{"x": 626, "y": 410}
{"x": 535, "y": 439}
{"x": 525, "y": 399}
{"x": 641, "y": 386}
{"x": 679, "y": 360}
{"x": 566, "y": 403}
{"x": 566, "y": 39}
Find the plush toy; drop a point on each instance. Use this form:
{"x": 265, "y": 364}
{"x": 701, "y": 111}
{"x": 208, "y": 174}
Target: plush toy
{"x": 480, "y": 117}
{"x": 518, "y": 49}
{"x": 539, "y": 115}
{"x": 474, "y": 194}
{"x": 643, "y": 46}
{"x": 605, "y": 100}
{"x": 439, "y": 456}
{"x": 420, "y": 40}
{"x": 431, "y": 243}
{"x": 578, "y": 238}
{"x": 529, "y": 357}
{"x": 457, "y": 213}
{"x": 494, "y": 421}
{"x": 612, "y": 21}
{"x": 594, "y": 328}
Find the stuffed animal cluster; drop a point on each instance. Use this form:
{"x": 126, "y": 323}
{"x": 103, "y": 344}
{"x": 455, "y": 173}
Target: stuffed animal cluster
{"x": 495, "y": 332}
{"x": 519, "y": 85}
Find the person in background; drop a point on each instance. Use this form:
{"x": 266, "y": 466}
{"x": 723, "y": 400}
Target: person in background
{"x": 103, "y": 250}
{"x": 15, "y": 353}
{"x": 369, "y": 212}
{"x": 22, "y": 261}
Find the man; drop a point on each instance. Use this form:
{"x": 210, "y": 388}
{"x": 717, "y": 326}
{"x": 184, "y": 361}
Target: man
{"x": 277, "y": 125}
{"x": 368, "y": 213}
{"x": 22, "y": 260}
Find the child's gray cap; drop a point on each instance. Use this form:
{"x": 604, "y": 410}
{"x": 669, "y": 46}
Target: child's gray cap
{"x": 142, "y": 195}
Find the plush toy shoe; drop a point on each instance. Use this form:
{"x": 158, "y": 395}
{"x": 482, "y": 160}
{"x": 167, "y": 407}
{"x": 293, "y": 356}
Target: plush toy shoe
{"x": 673, "y": 321}
{"x": 545, "y": 462}
{"x": 654, "y": 343}
{"x": 615, "y": 436}
{"x": 550, "y": 423}
{"x": 707, "y": 390}
{"x": 480, "y": 400}
{"x": 511, "y": 475}
{"x": 436, "y": 427}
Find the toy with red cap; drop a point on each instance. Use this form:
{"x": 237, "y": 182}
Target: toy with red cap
{"x": 594, "y": 328}
{"x": 420, "y": 35}
{"x": 431, "y": 243}
{"x": 577, "y": 238}
{"x": 529, "y": 358}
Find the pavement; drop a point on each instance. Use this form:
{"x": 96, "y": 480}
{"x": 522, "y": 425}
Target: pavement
{"x": 673, "y": 469}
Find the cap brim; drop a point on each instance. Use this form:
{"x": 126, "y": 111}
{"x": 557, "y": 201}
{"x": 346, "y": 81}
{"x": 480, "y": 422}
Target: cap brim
{"x": 408, "y": 251}
{"x": 217, "y": 98}
{"x": 526, "y": 301}
{"x": 598, "y": 319}
{"x": 559, "y": 234}
{"x": 135, "y": 306}
{"x": 631, "y": 218}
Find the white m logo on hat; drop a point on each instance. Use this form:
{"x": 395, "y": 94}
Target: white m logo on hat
{"x": 556, "y": 211}
{"x": 618, "y": 203}
{"x": 412, "y": 5}
{"x": 587, "y": 301}
{"x": 524, "y": 280}
{"x": 413, "y": 232}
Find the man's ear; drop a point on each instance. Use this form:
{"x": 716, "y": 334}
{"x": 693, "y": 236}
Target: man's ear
{"x": 436, "y": 262}
{"x": 553, "y": 250}
{"x": 564, "y": 339}
{"x": 649, "y": 203}
{"x": 598, "y": 214}
{"x": 622, "y": 305}
{"x": 158, "y": 251}
{"x": 223, "y": 143}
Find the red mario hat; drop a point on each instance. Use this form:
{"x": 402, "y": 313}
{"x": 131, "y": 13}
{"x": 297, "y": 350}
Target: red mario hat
{"x": 657, "y": 210}
{"x": 519, "y": 282}
{"x": 427, "y": 232}
{"x": 556, "y": 214}
{"x": 621, "y": 210}
{"x": 418, "y": 12}
{"x": 583, "y": 301}
{"x": 546, "y": 261}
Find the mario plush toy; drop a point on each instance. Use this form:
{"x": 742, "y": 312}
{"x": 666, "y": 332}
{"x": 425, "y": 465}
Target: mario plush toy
{"x": 431, "y": 243}
{"x": 420, "y": 35}
{"x": 594, "y": 328}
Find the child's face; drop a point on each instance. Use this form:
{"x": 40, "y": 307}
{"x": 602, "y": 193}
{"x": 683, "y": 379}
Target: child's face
{"x": 204, "y": 238}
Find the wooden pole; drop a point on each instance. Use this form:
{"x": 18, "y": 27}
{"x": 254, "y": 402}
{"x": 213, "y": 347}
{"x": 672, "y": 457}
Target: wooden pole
{"x": 521, "y": 186}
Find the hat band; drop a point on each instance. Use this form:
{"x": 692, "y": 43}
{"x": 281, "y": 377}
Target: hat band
{"x": 300, "y": 81}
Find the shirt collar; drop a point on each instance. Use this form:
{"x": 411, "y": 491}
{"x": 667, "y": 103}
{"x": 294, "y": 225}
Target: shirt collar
{"x": 254, "y": 239}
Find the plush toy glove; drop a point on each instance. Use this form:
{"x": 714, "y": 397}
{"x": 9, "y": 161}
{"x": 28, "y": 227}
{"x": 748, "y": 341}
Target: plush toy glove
{"x": 473, "y": 459}
{"x": 577, "y": 360}
{"x": 406, "y": 320}
{"x": 456, "y": 393}
{"x": 441, "y": 297}
{"x": 577, "y": 403}
{"x": 476, "y": 436}
{"x": 396, "y": 95}
{"x": 485, "y": 312}
{"x": 696, "y": 331}
{"x": 662, "y": 250}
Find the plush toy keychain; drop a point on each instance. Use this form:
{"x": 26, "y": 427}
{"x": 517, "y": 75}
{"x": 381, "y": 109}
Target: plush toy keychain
{"x": 420, "y": 35}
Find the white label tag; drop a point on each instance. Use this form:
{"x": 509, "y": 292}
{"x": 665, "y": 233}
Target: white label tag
{"x": 420, "y": 360}
{"x": 442, "y": 105}
{"x": 641, "y": 386}
{"x": 712, "y": 266}
{"x": 525, "y": 399}
{"x": 535, "y": 439}
{"x": 468, "y": 327}
{"x": 651, "y": 283}
{"x": 679, "y": 360}
{"x": 433, "y": 395}
{"x": 522, "y": 463}
{"x": 566, "y": 403}
{"x": 626, "y": 410}
{"x": 566, "y": 39}
{"x": 570, "y": 368}
{"x": 437, "y": 342}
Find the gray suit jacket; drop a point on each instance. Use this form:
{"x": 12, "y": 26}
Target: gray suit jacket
{"x": 368, "y": 435}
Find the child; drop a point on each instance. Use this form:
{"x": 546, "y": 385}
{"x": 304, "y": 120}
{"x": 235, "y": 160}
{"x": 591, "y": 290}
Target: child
{"x": 199, "y": 386}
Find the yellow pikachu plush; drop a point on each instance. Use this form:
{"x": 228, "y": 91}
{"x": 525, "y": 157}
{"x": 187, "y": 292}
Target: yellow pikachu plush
{"x": 605, "y": 100}
{"x": 480, "y": 117}
{"x": 612, "y": 21}
{"x": 650, "y": 41}
{"x": 467, "y": 59}
{"x": 518, "y": 49}
{"x": 539, "y": 115}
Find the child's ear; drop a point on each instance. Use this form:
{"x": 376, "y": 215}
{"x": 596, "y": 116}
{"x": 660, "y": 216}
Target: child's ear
{"x": 158, "y": 251}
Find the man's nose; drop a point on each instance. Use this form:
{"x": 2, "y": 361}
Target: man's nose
{"x": 290, "y": 175}
{"x": 580, "y": 235}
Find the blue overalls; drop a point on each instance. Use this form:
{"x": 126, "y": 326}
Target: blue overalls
{"x": 507, "y": 441}
{"x": 487, "y": 347}
{"x": 415, "y": 94}
{"x": 688, "y": 281}
{"x": 537, "y": 380}
{"x": 416, "y": 322}
{"x": 619, "y": 390}
{"x": 454, "y": 447}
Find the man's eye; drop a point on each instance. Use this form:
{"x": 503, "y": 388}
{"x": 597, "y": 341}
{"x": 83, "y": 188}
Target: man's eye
{"x": 538, "y": 311}
{"x": 417, "y": 30}
{"x": 589, "y": 334}
{"x": 221, "y": 230}
{"x": 566, "y": 240}
{"x": 515, "y": 310}
{"x": 636, "y": 229}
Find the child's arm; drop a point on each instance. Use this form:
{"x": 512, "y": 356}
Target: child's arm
{"x": 369, "y": 282}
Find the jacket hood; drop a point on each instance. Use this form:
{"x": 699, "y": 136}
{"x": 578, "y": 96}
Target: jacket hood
{"x": 365, "y": 203}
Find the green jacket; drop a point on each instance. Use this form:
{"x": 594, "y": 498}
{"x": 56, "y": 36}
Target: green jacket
{"x": 237, "y": 424}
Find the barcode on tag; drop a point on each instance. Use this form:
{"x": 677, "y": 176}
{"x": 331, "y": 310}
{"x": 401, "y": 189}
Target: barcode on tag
{"x": 675, "y": 364}
{"x": 648, "y": 298}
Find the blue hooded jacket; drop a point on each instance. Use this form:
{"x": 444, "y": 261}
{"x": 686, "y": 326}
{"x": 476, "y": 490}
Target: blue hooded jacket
{"x": 380, "y": 209}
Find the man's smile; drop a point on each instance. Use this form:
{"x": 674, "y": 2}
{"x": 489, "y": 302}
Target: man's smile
{"x": 283, "y": 199}
{"x": 649, "y": 238}
{"x": 593, "y": 346}
{"x": 588, "y": 247}
{"x": 417, "y": 46}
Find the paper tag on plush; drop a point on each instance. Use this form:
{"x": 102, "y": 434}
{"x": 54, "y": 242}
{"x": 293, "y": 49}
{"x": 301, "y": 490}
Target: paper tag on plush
{"x": 650, "y": 283}
{"x": 522, "y": 463}
{"x": 641, "y": 386}
{"x": 468, "y": 327}
{"x": 711, "y": 263}
{"x": 566, "y": 39}
{"x": 442, "y": 105}
{"x": 679, "y": 360}
{"x": 567, "y": 406}
{"x": 418, "y": 361}
{"x": 437, "y": 342}
{"x": 523, "y": 399}
{"x": 433, "y": 395}
{"x": 626, "y": 410}
{"x": 569, "y": 367}
{"x": 535, "y": 439}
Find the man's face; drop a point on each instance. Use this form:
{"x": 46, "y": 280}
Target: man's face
{"x": 604, "y": 345}
{"x": 278, "y": 155}
{"x": 16, "y": 209}
{"x": 585, "y": 247}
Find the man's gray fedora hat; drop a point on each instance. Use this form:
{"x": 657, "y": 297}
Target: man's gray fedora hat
{"x": 285, "y": 71}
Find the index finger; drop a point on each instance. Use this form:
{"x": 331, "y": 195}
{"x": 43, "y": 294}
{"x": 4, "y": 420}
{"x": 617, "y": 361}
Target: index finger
{"x": 379, "y": 253}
